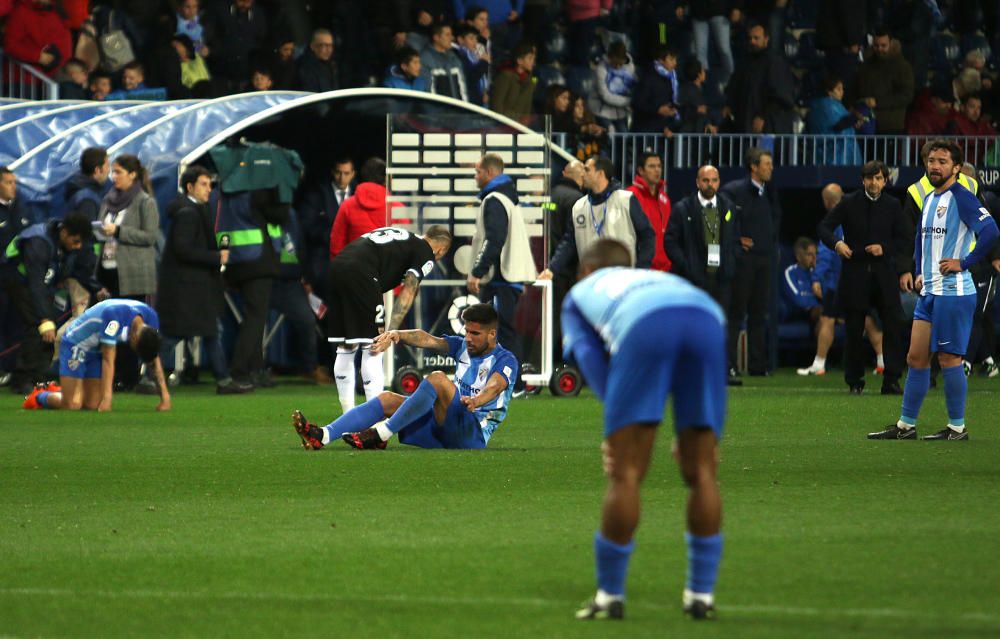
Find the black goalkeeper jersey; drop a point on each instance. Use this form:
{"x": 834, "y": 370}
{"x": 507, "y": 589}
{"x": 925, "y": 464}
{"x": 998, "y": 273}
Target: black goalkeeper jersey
{"x": 386, "y": 254}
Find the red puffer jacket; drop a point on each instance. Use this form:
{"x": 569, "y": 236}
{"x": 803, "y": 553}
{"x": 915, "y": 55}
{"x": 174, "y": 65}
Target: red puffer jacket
{"x": 657, "y": 209}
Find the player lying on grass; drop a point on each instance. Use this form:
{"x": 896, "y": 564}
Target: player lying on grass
{"x": 613, "y": 324}
{"x": 87, "y": 356}
{"x": 440, "y": 413}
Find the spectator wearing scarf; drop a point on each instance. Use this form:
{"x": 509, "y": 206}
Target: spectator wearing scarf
{"x": 655, "y": 101}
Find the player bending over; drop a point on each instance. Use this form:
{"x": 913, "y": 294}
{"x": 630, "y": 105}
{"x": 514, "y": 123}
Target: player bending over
{"x": 606, "y": 322}
{"x": 441, "y": 413}
{"x": 87, "y": 356}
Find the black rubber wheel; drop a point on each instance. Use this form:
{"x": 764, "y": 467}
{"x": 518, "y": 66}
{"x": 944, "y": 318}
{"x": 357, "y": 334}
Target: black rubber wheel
{"x": 406, "y": 380}
{"x": 566, "y": 381}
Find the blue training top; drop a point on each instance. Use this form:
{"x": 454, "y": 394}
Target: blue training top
{"x": 108, "y": 323}
{"x": 472, "y": 374}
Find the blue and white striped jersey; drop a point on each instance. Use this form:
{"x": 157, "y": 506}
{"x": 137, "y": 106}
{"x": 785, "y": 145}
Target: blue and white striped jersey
{"x": 949, "y": 224}
{"x": 108, "y": 322}
{"x": 613, "y": 300}
{"x": 472, "y": 373}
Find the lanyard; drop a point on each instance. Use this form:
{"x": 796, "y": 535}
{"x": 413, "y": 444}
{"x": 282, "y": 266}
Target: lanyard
{"x": 598, "y": 226}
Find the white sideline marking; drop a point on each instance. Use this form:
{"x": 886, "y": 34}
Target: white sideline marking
{"x": 791, "y": 611}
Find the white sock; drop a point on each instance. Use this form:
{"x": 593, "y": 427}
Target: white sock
{"x": 819, "y": 362}
{"x": 957, "y": 429}
{"x": 326, "y": 436}
{"x": 691, "y": 596}
{"x": 343, "y": 372}
{"x": 880, "y": 361}
{"x": 603, "y": 599}
{"x": 904, "y": 425}
{"x": 988, "y": 361}
{"x": 372, "y": 375}
{"x": 383, "y": 431}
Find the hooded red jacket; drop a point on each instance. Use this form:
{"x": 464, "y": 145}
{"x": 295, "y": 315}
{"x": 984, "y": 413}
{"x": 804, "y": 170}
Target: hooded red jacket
{"x": 657, "y": 209}
{"x": 361, "y": 213}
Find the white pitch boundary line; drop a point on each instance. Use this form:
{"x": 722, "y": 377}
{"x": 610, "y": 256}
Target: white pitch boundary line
{"x": 791, "y": 611}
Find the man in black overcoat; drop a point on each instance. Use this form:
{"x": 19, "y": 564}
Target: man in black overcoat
{"x": 873, "y": 253}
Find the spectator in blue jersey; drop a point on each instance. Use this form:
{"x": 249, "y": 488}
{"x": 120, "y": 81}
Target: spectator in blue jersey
{"x": 800, "y": 302}
{"x": 606, "y": 320}
{"x": 475, "y": 61}
{"x": 951, "y": 217}
{"x": 31, "y": 266}
{"x": 87, "y": 356}
{"x": 615, "y": 80}
{"x": 134, "y": 86}
{"x": 825, "y": 278}
{"x": 441, "y": 412}
{"x": 405, "y": 74}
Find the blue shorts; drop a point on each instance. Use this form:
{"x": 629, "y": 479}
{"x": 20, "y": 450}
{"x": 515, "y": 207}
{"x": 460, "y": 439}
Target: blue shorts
{"x": 459, "y": 430}
{"x": 680, "y": 352}
{"x": 77, "y": 362}
{"x": 951, "y": 321}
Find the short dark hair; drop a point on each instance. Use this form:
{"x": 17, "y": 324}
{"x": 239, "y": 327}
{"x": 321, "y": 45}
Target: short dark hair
{"x": 437, "y": 233}
{"x": 342, "y": 160}
{"x": 758, "y": 25}
{"x": 604, "y": 165}
{"x": 617, "y": 49}
{"x": 492, "y": 161}
{"x": 75, "y": 62}
{"x": 463, "y": 29}
{"x": 405, "y": 54}
{"x": 481, "y": 313}
{"x": 472, "y": 12}
{"x": 147, "y": 347}
{"x": 872, "y": 168}
{"x": 803, "y": 244}
{"x": 881, "y": 32}
{"x": 4, "y": 170}
{"x": 662, "y": 51}
{"x": 191, "y": 175}
{"x": 97, "y": 75}
{"x": 92, "y": 159}
{"x": 262, "y": 69}
{"x": 646, "y": 155}
{"x": 755, "y": 155}
{"x": 605, "y": 253}
{"x": 692, "y": 69}
{"x": 949, "y": 146}
{"x": 135, "y": 65}
{"x": 522, "y": 49}
{"x": 77, "y": 224}
{"x": 373, "y": 170}
{"x": 438, "y": 27}
{"x": 830, "y": 81}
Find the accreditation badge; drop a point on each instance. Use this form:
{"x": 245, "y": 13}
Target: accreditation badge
{"x": 714, "y": 255}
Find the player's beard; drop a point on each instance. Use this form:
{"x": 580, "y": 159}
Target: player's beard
{"x": 936, "y": 179}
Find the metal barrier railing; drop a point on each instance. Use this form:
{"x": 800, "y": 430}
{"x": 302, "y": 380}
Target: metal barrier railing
{"x": 25, "y": 82}
{"x": 729, "y": 150}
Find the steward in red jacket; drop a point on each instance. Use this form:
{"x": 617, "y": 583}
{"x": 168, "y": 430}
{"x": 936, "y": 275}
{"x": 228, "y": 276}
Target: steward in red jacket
{"x": 654, "y": 201}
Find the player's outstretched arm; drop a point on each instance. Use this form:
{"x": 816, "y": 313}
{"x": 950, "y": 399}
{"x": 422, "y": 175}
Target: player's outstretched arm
{"x": 402, "y": 306}
{"x": 161, "y": 383}
{"x": 415, "y": 337}
{"x": 107, "y": 377}
{"x": 496, "y": 385}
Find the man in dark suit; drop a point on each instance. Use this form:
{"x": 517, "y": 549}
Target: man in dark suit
{"x": 759, "y": 222}
{"x": 317, "y": 211}
{"x": 874, "y": 238}
{"x": 702, "y": 242}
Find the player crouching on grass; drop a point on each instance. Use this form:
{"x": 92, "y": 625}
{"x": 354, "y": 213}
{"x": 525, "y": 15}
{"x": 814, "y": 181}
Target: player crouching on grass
{"x": 87, "y": 356}
{"x": 441, "y": 413}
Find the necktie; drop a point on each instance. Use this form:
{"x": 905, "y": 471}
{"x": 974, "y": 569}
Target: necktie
{"x": 341, "y": 194}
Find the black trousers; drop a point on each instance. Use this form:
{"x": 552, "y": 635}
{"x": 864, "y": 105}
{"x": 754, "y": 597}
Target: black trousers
{"x": 751, "y": 293}
{"x": 982, "y": 340}
{"x": 504, "y": 299}
{"x": 890, "y": 311}
{"x": 35, "y": 355}
{"x": 722, "y": 292}
{"x": 248, "y": 354}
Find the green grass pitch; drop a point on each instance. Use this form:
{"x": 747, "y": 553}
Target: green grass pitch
{"x": 211, "y": 521}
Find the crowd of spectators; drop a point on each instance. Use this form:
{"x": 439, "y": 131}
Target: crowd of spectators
{"x": 844, "y": 67}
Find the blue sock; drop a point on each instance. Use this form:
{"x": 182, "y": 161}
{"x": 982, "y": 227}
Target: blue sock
{"x": 612, "y": 564}
{"x": 356, "y": 419}
{"x": 918, "y": 382}
{"x": 956, "y": 387}
{"x": 704, "y": 554}
{"x": 416, "y": 405}
{"x": 43, "y": 399}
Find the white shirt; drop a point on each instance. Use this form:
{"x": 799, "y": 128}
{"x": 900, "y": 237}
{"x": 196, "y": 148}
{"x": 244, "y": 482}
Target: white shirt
{"x": 713, "y": 202}
{"x": 760, "y": 187}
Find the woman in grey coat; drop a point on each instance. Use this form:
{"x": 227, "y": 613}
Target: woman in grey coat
{"x": 130, "y": 228}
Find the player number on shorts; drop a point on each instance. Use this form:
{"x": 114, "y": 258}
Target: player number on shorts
{"x": 384, "y": 236}
{"x": 380, "y": 314}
